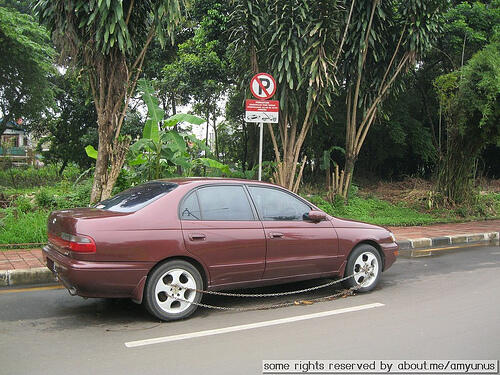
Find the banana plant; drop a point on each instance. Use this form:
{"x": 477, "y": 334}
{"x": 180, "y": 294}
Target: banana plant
{"x": 161, "y": 151}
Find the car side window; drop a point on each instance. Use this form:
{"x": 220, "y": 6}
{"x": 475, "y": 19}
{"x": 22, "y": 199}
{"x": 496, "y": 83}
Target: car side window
{"x": 273, "y": 204}
{"x": 190, "y": 209}
{"x": 224, "y": 203}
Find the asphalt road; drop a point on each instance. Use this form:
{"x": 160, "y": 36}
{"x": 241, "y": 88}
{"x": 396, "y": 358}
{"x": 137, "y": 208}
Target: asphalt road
{"x": 442, "y": 307}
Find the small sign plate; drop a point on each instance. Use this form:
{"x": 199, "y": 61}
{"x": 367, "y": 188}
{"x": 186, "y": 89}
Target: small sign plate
{"x": 262, "y": 110}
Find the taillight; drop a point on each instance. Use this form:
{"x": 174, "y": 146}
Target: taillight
{"x": 78, "y": 243}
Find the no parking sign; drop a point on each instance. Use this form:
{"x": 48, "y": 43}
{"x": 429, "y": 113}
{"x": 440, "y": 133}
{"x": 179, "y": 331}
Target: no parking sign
{"x": 263, "y": 86}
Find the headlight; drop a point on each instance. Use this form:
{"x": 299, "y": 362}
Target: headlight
{"x": 392, "y": 236}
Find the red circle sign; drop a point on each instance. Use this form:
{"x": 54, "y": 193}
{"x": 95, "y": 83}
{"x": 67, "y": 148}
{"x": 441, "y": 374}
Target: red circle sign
{"x": 263, "y": 86}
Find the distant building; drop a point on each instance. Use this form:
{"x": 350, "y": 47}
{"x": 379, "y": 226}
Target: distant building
{"x": 15, "y": 143}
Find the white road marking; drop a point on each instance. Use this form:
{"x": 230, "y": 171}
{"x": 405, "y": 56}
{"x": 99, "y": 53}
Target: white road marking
{"x": 218, "y": 331}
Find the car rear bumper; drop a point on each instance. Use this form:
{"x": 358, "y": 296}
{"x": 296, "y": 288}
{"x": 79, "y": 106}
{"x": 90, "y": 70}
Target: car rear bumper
{"x": 98, "y": 279}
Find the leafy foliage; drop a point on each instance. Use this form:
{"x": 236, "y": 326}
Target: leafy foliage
{"x": 30, "y": 177}
{"x": 471, "y": 101}
{"x": 161, "y": 152}
{"x": 25, "y": 68}
{"x": 71, "y": 125}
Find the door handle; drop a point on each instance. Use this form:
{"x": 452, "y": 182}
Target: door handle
{"x": 196, "y": 236}
{"x": 275, "y": 235}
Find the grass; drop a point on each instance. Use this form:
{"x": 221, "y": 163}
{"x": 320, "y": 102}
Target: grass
{"x": 24, "y": 227}
{"x": 25, "y": 220}
{"x": 381, "y": 212}
{"x": 375, "y": 211}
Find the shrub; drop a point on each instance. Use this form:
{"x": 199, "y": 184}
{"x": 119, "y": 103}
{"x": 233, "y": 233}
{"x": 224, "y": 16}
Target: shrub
{"x": 79, "y": 197}
{"x": 27, "y": 177}
{"x": 45, "y": 199}
{"x": 23, "y": 204}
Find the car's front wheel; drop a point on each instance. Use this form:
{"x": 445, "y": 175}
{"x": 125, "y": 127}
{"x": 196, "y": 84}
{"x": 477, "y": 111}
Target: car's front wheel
{"x": 171, "y": 290}
{"x": 365, "y": 264}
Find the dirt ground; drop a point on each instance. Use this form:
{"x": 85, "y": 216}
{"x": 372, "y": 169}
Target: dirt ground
{"x": 415, "y": 190}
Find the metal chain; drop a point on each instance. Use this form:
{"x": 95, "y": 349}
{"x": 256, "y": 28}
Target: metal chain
{"x": 261, "y": 295}
{"x": 343, "y": 293}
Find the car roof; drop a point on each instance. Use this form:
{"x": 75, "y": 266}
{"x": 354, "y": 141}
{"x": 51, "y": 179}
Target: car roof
{"x": 214, "y": 180}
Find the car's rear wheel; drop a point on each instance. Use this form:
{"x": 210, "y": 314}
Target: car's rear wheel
{"x": 171, "y": 290}
{"x": 365, "y": 264}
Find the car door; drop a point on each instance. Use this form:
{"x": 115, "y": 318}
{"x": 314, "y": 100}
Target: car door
{"x": 295, "y": 246}
{"x": 220, "y": 227}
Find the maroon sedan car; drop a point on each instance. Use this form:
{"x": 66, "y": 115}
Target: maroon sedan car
{"x": 161, "y": 242}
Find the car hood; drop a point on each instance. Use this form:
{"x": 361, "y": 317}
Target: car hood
{"x": 347, "y": 223}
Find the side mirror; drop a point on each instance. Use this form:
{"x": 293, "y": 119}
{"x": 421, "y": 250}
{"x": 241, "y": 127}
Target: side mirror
{"x": 315, "y": 216}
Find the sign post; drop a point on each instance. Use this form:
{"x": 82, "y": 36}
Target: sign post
{"x": 263, "y": 87}
{"x": 261, "y": 137}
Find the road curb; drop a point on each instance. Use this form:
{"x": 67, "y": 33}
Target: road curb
{"x": 41, "y": 275}
{"x": 423, "y": 246}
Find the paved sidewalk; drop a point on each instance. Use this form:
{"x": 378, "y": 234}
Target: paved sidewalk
{"x": 21, "y": 259}
{"x": 22, "y": 267}
{"x": 440, "y": 230}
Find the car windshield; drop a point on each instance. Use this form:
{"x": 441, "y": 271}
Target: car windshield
{"x": 135, "y": 198}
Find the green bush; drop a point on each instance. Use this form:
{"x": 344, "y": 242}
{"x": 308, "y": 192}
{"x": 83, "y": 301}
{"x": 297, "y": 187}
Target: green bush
{"x": 45, "y": 199}
{"x": 23, "y": 204}
{"x": 79, "y": 196}
{"x": 28, "y": 177}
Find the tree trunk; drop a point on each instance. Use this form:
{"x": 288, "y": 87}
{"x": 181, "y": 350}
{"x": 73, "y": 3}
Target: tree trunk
{"x": 110, "y": 159}
{"x": 207, "y": 116}
{"x": 215, "y": 135}
{"x": 292, "y": 139}
{"x": 350, "y": 161}
{"x": 102, "y": 162}
{"x": 63, "y": 167}
{"x": 456, "y": 170}
{"x": 328, "y": 177}
{"x": 245, "y": 146}
{"x": 113, "y": 80}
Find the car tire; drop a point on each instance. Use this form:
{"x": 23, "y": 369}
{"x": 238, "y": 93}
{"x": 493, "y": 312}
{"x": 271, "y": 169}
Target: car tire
{"x": 176, "y": 278}
{"x": 366, "y": 257}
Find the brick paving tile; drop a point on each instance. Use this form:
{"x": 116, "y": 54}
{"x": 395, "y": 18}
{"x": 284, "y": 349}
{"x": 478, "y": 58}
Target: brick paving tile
{"x": 22, "y": 252}
{"x": 34, "y": 260}
{"x": 19, "y": 265}
{"x": 27, "y": 259}
{"x": 29, "y": 256}
{"x": 37, "y": 253}
{"x": 12, "y": 256}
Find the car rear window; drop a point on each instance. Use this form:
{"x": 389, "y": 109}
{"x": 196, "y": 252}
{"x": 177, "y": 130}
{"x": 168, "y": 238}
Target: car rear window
{"x": 135, "y": 198}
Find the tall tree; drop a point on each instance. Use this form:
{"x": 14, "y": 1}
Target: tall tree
{"x": 471, "y": 101}
{"x": 109, "y": 39}
{"x": 25, "y": 68}
{"x": 384, "y": 40}
{"x": 296, "y": 42}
